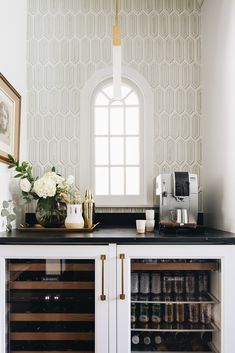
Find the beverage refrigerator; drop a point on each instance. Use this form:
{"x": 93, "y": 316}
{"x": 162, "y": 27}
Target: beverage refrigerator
{"x": 175, "y": 299}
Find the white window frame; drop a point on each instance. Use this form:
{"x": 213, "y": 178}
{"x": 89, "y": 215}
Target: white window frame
{"x": 86, "y": 179}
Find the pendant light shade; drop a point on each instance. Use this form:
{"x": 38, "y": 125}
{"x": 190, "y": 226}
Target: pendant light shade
{"x": 117, "y": 58}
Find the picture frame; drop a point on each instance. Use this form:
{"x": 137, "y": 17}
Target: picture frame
{"x": 10, "y": 114}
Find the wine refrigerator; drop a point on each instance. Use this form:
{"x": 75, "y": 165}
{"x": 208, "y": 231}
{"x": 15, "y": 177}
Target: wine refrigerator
{"x": 56, "y": 304}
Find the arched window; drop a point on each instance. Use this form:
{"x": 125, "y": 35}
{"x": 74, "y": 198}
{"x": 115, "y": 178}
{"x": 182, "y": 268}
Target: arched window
{"x": 117, "y": 142}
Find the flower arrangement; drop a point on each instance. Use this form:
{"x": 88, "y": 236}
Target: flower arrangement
{"x": 50, "y": 184}
{"x": 50, "y": 190}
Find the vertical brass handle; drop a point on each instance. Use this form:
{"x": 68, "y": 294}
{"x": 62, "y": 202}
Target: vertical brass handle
{"x": 102, "y": 296}
{"x": 122, "y": 295}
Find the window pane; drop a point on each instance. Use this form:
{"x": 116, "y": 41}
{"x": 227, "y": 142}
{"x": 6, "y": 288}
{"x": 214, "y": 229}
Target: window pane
{"x": 132, "y": 99}
{"x": 132, "y": 121}
{"x": 116, "y": 121}
{"x": 101, "y": 151}
{"x": 109, "y": 91}
{"x": 101, "y": 181}
{"x": 101, "y": 121}
{"x": 125, "y": 90}
{"x": 117, "y": 180}
{"x": 132, "y": 150}
{"x": 132, "y": 180}
{"x": 101, "y": 99}
{"x": 116, "y": 150}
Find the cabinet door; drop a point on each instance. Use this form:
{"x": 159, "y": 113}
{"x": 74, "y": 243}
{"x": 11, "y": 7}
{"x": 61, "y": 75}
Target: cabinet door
{"x": 175, "y": 298}
{"x": 54, "y": 299}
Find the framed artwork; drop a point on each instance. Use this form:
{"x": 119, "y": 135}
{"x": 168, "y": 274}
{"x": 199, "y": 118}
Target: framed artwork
{"x": 10, "y": 109}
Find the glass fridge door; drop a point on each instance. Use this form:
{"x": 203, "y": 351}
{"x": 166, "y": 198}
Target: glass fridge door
{"x": 52, "y": 304}
{"x": 172, "y": 303}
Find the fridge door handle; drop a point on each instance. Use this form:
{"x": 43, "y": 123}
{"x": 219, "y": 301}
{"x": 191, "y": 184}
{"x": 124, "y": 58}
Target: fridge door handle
{"x": 122, "y": 295}
{"x": 102, "y": 296}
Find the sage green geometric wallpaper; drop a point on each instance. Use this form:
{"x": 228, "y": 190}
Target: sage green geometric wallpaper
{"x": 69, "y": 40}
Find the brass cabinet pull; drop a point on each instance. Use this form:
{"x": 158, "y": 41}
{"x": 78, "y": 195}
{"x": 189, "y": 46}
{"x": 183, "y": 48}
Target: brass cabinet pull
{"x": 122, "y": 295}
{"x": 102, "y": 296}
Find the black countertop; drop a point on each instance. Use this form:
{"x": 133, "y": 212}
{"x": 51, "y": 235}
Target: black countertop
{"x": 102, "y": 236}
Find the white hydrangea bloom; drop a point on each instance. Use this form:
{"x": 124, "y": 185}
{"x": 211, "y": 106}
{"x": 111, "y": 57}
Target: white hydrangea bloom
{"x": 45, "y": 187}
{"x": 61, "y": 182}
{"x": 25, "y": 185}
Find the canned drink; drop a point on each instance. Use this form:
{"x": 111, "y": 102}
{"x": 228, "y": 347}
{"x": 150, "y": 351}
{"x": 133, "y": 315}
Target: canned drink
{"x": 205, "y": 313}
{"x": 203, "y": 282}
{"x": 134, "y": 283}
{"x": 156, "y": 283}
{"x": 144, "y": 283}
{"x": 167, "y": 283}
{"x": 133, "y": 313}
{"x": 178, "y": 283}
{"x": 156, "y": 313}
{"x": 168, "y": 310}
{"x": 144, "y": 313}
{"x": 179, "y": 310}
{"x": 190, "y": 283}
{"x": 193, "y": 313}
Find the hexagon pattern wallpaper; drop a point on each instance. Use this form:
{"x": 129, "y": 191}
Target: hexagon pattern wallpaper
{"x": 69, "y": 40}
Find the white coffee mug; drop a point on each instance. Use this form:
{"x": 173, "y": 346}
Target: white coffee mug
{"x": 149, "y": 214}
{"x": 150, "y": 223}
{"x": 140, "y": 226}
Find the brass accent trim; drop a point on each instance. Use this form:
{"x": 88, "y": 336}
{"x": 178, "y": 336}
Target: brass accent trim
{"x": 122, "y": 295}
{"x": 116, "y": 35}
{"x": 116, "y": 29}
{"x": 102, "y": 296}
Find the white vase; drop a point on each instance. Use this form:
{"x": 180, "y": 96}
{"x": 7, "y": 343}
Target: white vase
{"x": 74, "y": 217}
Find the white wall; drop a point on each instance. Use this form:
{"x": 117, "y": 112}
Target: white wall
{"x": 218, "y": 65}
{"x": 13, "y": 67}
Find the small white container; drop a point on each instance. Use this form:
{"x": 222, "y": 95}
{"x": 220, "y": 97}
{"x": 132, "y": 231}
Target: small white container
{"x": 150, "y": 224}
{"x": 149, "y": 214}
{"x": 74, "y": 219}
{"x": 140, "y": 226}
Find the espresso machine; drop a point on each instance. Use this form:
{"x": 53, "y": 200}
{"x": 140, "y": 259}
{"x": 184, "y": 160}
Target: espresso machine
{"x": 178, "y": 199}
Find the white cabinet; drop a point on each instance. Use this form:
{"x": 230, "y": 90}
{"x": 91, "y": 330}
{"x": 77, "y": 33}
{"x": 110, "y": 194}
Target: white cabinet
{"x": 218, "y": 261}
{"x": 54, "y": 298}
{"x": 77, "y": 298}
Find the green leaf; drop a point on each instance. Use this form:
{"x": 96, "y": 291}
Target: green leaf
{"x": 18, "y": 175}
{"x": 9, "y": 227}
{"x": 16, "y": 209}
{"x": 10, "y": 158}
{"x": 4, "y": 213}
{"x": 11, "y": 218}
{"x": 5, "y": 204}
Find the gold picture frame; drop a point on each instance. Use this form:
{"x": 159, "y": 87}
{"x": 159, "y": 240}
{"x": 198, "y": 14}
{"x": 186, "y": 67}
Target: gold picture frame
{"x": 10, "y": 111}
